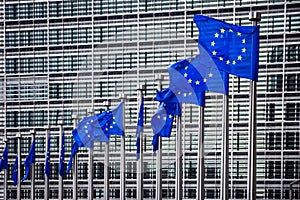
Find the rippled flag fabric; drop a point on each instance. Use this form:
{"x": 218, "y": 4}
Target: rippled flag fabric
{"x": 47, "y": 161}
{"x": 4, "y": 159}
{"x": 73, "y": 152}
{"x": 14, "y": 174}
{"x": 140, "y": 127}
{"x": 161, "y": 124}
{"x": 234, "y": 49}
{"x": 111, "y": 121}
{"x": 61, "y": 167}
{"x": 29, "y": 160}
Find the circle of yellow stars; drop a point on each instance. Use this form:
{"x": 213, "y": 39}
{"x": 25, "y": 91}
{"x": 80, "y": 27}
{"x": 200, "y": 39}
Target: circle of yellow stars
{"x": 228, "y": 61}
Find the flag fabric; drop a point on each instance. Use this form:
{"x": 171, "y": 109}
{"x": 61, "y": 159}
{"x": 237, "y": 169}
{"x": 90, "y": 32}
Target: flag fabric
{"x": 234, "y": 49}
{"x": 47, "y": 162}
{"x": 140, "y": 127}
{"x": 4, "y": 159}
{"x": 161, "y": 124}
{"x": 99, "y": 127}
{"x": 73, "y": 152}
{"x": 14, "y": 174}
{"x": 29, "y": 160}
{"x": 61, "y": 168}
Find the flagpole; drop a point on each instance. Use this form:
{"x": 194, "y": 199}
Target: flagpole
{"x": 159, "y": 78}
{"x": 255, "y": 17}
{"x": 19, "y": 168}
{"x": 60, "y": 181}
{"x": 200, "y": 160}
{"x": 75, "y": 176}
{"x": 140, "y": 167}
{"x": 106, "y": 162}
{"x": 32, "y": 170}
{"x": 91, "y": 167}
{"x": 178, "y": 186}
{"x": 5, "y": 171}
{"x": 46, "y": 155}
{"x": 123, "y": 158}
{"x": 224, "y": 153}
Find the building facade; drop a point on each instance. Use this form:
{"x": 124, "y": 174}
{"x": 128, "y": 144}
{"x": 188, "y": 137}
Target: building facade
{"x": 62, "y": 58}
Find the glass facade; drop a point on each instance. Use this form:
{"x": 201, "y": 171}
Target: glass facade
{"x": 60, "y": 58}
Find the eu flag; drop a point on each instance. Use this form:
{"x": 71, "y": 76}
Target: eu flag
{"x": 73, "y": 152}
{"x": 47, "y": 162}
{"x": 161, "y": 124}
{"x": 4, "y": 159}
{"x": 14, "y": 174}
{"x": 29, "y": 160}
{"x": 234, "y": 49}
{"x": 111, "y": 121}
{"x": 61, "y": 168}
{"x": 140, "y": 126}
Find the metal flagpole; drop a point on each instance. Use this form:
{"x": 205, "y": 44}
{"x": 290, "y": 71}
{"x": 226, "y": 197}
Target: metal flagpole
{"x": 224, "y": 153}
{"x": 178, "y": 187}
{"x": 251, "y": 182}
{"x": 200, "y": 160}
{"x": 19, "y": 168}
{"x": 46, "y": 155}
{"x": 140, "y": 167}
{"x": 123, "y": 158}
{"x": 5, "y": 171}
{"x": 159, "y": 78}
{"x": 60, "y": 181}
{"x": 91, "y": 166}
{"x": 32, "y": 170}
{"x": 106, "y": 163}
{"x": 75, "y": 176}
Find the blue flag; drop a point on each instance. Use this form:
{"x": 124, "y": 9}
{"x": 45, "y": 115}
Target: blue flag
{"x": 161, "y": 124}
{"x": 234, "y": 49}
{"x": 14, "y": 174}
{"x": 47, "y": 162}
{"x": 73, "y": 152}
{"x": 4, "y": 159}
{"x": 29, "y": 160}
{"x": 114, "y": 124}
{"x": 140, "y": 127}
{"x": 61, "y": 167}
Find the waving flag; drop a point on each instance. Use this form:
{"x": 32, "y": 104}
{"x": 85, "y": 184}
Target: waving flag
{"x": 47, "y": 162}
{"x": 4, "y": 159}
{"x": 234, "y": 49}
{"x": 140, "y": 126}
{"x": 61, "y": 168}
{"x": 73, "y": 152}
{"x": 29, "y": 160}
{"x": 14, "y": 174}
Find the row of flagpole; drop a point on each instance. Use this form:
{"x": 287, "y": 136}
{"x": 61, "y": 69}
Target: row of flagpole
{"x": 251, "y": 182}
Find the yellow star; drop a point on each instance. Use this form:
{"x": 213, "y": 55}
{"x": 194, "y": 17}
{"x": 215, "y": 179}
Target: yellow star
{"x": 165, "y": 118}
{"x": 114, "y": 122}
{"x": 212, "y": 43}
{"x": 106, "y": 129}
{"x": 178, "y": 92}
{"x": 190, "y": 80}
{"x": 221, "y": 58}
{"x": 244, "y": 50}
{"x": 222, "y": 30}
{"x": 158, "y": 116}
{"x": 214, "y": 53}
{"x": 185, "y": 74}
{"x": 239, "y": 57}
{"x": 216, "y": 35}
{"x": 228, "y": 62}
{"x": 111, "y": 127}
{"x": 239, "y": 33}
{"x": 197, "y": 82}
{"x": 230, "y": 30}
{"x": 184, "y": 94}
{"x": 234, "y": 62}
{"x": 210, "y": 75}
{"x": 243, "y": 41}
{"x": 204, "y": 80}
{"x": 186, "y": 67}
{"x": 170, "y": 116}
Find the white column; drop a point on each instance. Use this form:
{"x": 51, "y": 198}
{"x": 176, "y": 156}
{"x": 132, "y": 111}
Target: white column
{"x": 75, "y": 176}
{"x": 91, "y": 167}
{"x": 46, "y": 193}
{"x": 32, "y": 170}
{"x": 19, "y": 167}
{"x": 60, "y": 180}
{"x": 106, "y": 162}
